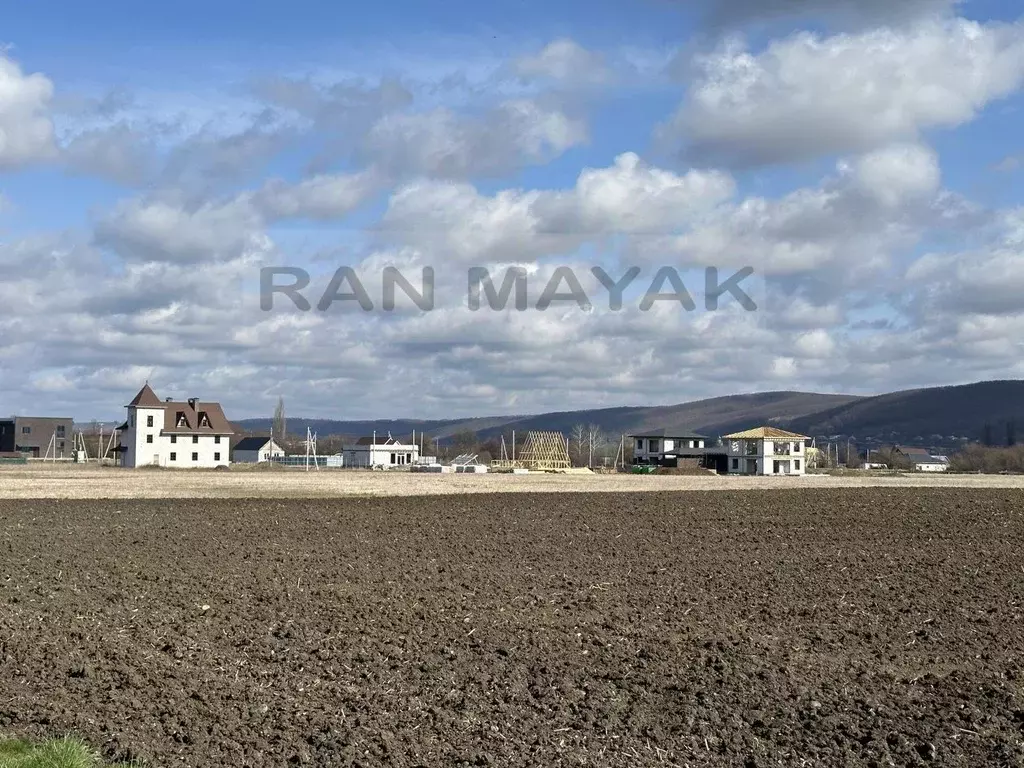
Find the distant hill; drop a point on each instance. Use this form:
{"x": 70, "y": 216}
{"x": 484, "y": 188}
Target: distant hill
{"x": 938, "y": 417}
{"x": 710, "y": 417}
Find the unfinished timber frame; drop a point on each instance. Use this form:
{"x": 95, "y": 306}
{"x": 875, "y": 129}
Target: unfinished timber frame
{"x": 542, "y": 452}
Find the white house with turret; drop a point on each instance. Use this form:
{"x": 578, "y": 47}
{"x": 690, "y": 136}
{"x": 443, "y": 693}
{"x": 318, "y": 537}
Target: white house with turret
{"x": 167, "y": 433}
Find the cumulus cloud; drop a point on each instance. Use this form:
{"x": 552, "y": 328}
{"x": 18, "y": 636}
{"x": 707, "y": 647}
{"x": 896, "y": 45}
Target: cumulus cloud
{"x": 26, "y": 129}
{"x": 564, "y": 61}
{"x": 120, "y": 152}
{"x": 809, "y": 95}
{"x": 455, "y": 221}
{"x": 446, "y": 144}
{"x": 326, "y": 196}
{"x": 168, "y": 230}
{"x": 985, "y": 281}
{"x": 175, "y": 229}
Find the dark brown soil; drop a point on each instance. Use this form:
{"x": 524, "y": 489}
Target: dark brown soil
{"x": 842, "y": 627}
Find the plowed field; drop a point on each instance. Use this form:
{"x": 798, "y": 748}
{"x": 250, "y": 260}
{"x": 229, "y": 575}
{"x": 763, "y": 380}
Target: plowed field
{"x": 790, "y": 627}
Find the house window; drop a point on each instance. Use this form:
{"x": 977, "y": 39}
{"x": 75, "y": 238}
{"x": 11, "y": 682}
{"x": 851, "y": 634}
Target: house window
{"x": 195, "y": 438}
{"x": 796, "y": 463}
{"x": 217, "y": 440}
{"x": 180, "y": 419}
{"x": 735, "y": 463}
{"x": 639, "y": 445}
{"x": 60, "y": 445}
{"x": 60, "y": 431}
{"x": 797, "y": 447}
{"x": 174, "y": 438}
{"x": 174, "y": 456}
{"x": 149, "y": 438}
{"x": 149, "y": 420}
{"x": 751, "y": 447}
{"x": 653, "y": 446}
{"x": 195, "y": 457}
{"x": 26, "y": 430}
{"x": 203, "y": 420}
{"x": 216, "y": 457}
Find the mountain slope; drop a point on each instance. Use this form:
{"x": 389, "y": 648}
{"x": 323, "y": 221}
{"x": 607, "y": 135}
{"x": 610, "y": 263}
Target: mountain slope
{"x": 938, "y": 417}
{"x": 710, "y": 417}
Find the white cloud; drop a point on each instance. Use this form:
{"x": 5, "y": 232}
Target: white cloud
{"x": 327, "y": 196}
{"x": 26, "y": 130}
{"x": 988, "y": 280}
{"x": 458, "y": 223}
{"x": 170, "y": 228}
{"x": 564, "y": 61}
{"x": 842, "y": 232}
{"x": 443, "y": 143}
{"x": 809, "y": 95}
{"x": 897, "y": 174}
{"x": 119, "y": 152}
{"x": 167, "y": 230}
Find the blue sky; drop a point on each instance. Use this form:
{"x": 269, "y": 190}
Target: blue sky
{"x": 866, "y": 158}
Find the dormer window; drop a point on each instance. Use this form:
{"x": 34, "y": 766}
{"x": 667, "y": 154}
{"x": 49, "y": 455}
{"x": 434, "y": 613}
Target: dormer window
{"x": 180, "y": 420}
{"x": 204, "y": 421}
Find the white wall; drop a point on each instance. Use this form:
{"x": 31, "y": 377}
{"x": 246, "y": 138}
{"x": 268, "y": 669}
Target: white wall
{"x": 766, "y": 457}
{"x": 209, "y": 452}
{"x": 381, "y": 455}
{"x": 256, "y": 457}
{"x": 142, "y": 453}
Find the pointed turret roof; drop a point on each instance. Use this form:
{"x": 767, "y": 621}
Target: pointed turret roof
{"x": 146, "y": 398}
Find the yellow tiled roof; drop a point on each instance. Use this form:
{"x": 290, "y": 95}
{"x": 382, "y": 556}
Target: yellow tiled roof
{"x": 766, "y": 433}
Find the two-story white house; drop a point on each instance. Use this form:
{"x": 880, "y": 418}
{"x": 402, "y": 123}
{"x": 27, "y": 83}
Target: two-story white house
{"x": 167, "y": 433}
{"x": 664, "y": 446}
{"x": 766, "y": 451}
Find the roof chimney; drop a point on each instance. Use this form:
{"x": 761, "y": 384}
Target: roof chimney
{"x": 192, "y": 401}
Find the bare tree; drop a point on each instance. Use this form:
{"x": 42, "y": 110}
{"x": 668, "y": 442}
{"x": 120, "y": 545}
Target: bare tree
{"x": 279, "y": 423}
{"x": 577, "y": 444}
{"x": 594, "y": 441}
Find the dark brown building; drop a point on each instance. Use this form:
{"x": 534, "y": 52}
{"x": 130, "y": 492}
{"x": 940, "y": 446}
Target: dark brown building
{"x": 37, "y": 436}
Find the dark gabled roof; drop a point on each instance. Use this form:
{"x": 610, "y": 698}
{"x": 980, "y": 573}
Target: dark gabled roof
{"x": 146, "y": 398}
{"x": 252, "y": 443}
{"x": 676, "y": 431}
{"x": 217, "y": 422}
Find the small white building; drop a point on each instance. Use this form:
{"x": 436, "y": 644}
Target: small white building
{"x": 766, "y": 451}
{"x": 922, "y": 459}
{"x": 256, "y": 450}
{"x": 387, "y": 453}
{"x": 188, "y": 434}
{"x": 932, "y": 464}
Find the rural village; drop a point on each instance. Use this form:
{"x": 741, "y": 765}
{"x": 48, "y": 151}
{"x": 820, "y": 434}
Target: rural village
{"x": 195, "y": 434}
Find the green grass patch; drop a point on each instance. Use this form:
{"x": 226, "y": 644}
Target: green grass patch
{"x": 56, "y": 753}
